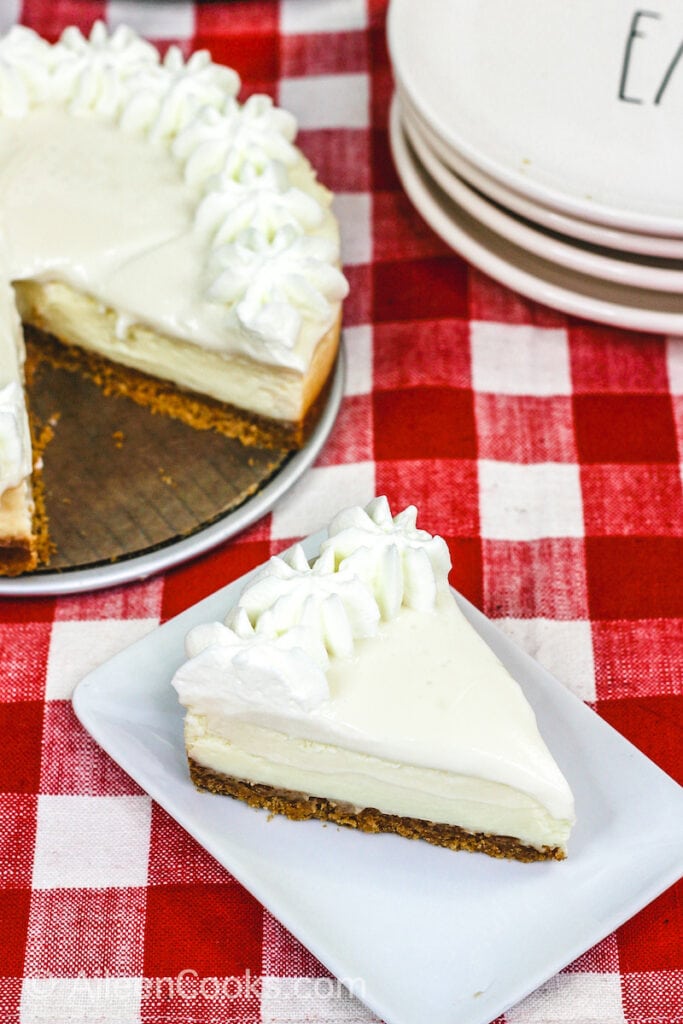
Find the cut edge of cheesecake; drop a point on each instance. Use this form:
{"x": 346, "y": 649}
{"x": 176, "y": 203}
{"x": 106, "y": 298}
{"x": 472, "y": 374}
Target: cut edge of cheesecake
{"x": 97, "y": 352}
{"x": 304, "y": 807}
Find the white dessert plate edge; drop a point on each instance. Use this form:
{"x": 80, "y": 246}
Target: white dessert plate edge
{"x": 469, "y": 935}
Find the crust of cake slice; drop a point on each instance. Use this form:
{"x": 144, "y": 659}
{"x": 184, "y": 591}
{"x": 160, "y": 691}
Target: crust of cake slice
{"x": 302, "y": 807}
{"x": 197, "y": 411}
{"x": 42, "y": 308}
{"x": 18, "y": 542}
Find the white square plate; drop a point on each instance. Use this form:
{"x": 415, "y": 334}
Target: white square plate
{"x": 418, "y": 933}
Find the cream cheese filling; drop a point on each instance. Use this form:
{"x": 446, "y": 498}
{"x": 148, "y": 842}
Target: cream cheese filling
{"x": 272, "y": 758}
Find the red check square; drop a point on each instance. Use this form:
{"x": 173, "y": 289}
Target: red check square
{"x": 341, "y": 157}
{"x": 424, "y": 423}
{"x": 255, "y": 56}
{"x": 17, "y": 839}
{"x": 399, "y": 234}
{"x": 625, "y": 428}
{"x": 214, "y": 929}
{"x": 23, "y": 660}
{"x": 384, "y": 176}
{"x": 445, "y": 493}
{"x": 639, "y": 658}
{"x": 427, "y": 289}
{"x": 636, "y": 499}
{"x": 607, "y": 359}
{"x": 21, "y": 726}
{"x": 190, "y": 583}
{"x": 50, "y": 20}
{"x": 37, "y": 609}
{"x": 15, "y": 905}
{"x": 422, "y": 353}
{"x": 653, "y": 724}
{"x": 634, "y": 577}
{"x": 324, "y": 53}
{"x": 653, "y": 939}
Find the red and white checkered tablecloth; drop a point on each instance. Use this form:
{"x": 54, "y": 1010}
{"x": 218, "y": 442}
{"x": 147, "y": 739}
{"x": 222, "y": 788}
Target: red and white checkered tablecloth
{"x": 545, "y": 449}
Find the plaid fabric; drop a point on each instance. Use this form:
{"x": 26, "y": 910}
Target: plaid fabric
{"x": 545, "y": 449}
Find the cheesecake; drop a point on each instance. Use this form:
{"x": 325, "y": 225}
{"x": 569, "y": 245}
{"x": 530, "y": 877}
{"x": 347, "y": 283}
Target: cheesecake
{"x": 18, "y": 544}
{"x": 352, "y": 689}
{"x": 174, "y": 240}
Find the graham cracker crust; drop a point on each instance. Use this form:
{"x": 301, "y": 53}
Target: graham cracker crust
{"x": 301, "y": 807}
{"x": 159, "y": 396}
{"x": 17, "y": 555}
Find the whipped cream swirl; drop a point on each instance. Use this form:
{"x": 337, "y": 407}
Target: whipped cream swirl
{"x": 293, "y": 616}
{"x": 271, "y": 267}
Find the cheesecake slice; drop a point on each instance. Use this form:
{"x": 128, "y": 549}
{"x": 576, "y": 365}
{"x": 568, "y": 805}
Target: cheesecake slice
{"x": 354, "y": 690}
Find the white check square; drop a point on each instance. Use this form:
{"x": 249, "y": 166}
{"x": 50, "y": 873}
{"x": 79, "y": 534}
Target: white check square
{"x": 564, "y": 647}
{"x": 359, "y": 362}
{"x": 529, "y": 502}
{"x": 353, "y": 210}
{"x": 81, "y": 1000}
{"x": 299, "y": 17}
{"x": 78, "y": 647}
{"x": 674, "y": 364}
{"x": 328, "y": 101}
{"x": 292, "y": 1000}
{"x": 91, "y": 842}
{"x": 519, "y": 359}
{"x": 319, "y": 495}
{"x": 164, "y": 19}
{"x": 572, "y": 999}
{"x": 9, "y": 14}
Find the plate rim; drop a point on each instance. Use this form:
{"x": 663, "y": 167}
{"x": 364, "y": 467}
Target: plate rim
{"x": 532, "y": 237}
{"x": 594, "y": 212}
{"x": 137, "y": 568}
{"x": 559, "y": 297}
{"x": 570, "y": 709}
{"x": 600, "y": 236}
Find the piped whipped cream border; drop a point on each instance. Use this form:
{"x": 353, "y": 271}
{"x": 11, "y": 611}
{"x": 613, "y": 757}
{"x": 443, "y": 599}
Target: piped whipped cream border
{"x": 293, "y": 617}
{"x": 268, "y": 263}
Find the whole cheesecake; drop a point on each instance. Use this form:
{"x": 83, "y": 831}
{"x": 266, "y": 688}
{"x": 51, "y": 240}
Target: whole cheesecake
{"x": 176, "y": 239}
{"x": 354, "y": 690}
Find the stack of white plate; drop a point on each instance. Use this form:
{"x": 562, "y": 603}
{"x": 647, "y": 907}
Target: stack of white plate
{"x": 543, "y": 140}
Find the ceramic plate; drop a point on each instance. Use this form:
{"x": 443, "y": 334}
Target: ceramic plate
{"x": 666, "y": 276}
{"x": 478, "y": 934}
{"x": 575, "y": 105}
{"x": 619, "y": 241}
{"x": 145, "y": 563}
{"x": 538, "y": 279}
